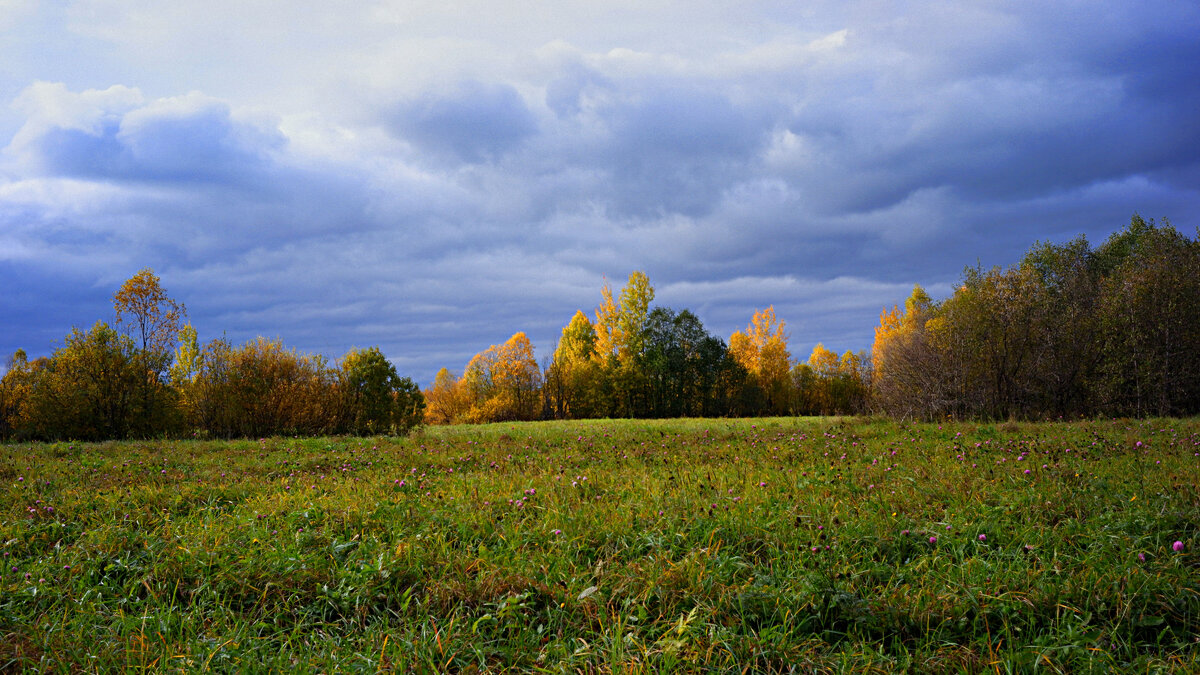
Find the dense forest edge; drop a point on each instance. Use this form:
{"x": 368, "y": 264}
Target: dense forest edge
{"x": 1070, "y": 330}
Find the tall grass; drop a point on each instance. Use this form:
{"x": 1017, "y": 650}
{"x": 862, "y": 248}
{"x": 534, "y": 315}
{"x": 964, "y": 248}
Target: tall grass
{"x": 770, "y": 545}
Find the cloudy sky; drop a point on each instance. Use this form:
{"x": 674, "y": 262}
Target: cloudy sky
{"x": 431, "y": 177}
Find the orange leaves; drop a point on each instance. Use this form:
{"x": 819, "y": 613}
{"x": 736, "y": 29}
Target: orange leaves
{"x": 503, "y": 382}
{"x": 762, "y": 350}
{"x": 446, "y": 400}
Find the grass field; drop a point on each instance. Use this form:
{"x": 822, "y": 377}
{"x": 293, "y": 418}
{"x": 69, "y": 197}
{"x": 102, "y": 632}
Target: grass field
{"x": 769, "y": 545}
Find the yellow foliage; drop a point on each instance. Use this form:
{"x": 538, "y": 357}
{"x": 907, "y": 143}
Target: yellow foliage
{"x": 503, "y": 382}
{"x": 824, "y": 362}
{"x": 445, "y": 399}
{"x": 762, "y": 350}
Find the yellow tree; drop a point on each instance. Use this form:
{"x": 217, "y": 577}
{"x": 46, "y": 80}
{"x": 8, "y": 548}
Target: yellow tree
{"x": 445, "y": 400}
{"x": 889, "y": 325}
{"x": 635, "y": 307}
{"x": 578, "y": 342}
{"x": 824, "y": 362}
{"x": 518, "y": 374}
{"x": 825, "y": 367}
{"x": 607, "y": 326}
{"x": 187, "y": 358}
{"x": 895, "y": 324}
{"x": 152, "y": 322}
{"x": 619, "y": 326}
{"x": 762, "y": 350}
{"x": 87, "y": 390}
{"x": 904, "y": 377}
{"x": 504, "y": 382}
{"x": 572, "y": 374}
{"x": 148, "y": 316}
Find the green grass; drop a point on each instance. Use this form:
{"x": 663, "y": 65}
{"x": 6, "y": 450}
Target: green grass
{"x": 770, "y": 545}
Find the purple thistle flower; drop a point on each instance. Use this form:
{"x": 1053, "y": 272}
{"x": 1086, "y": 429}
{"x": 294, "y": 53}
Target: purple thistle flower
{"x": 1177, "y": 546}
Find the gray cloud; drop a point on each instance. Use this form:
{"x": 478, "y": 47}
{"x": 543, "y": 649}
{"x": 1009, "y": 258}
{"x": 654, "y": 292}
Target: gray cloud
{"x": 472, "y": 123}
{"x": 433, "y": 187}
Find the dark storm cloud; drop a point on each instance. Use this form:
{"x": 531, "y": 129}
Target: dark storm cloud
{"x": 675, "y": 150}
{"x": 1003, "y": 105}
{"x": 822, "y": 167}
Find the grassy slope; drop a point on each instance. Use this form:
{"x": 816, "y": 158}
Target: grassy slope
{"x": 611, "y": 545}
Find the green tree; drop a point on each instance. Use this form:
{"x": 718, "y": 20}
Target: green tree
{"x": 90, "y": 389}
{"x": 1149, "y": 313}
{"x": 683, "y": 366}
{"x": 377, "y": 398}
{"x": 13, "y": 392}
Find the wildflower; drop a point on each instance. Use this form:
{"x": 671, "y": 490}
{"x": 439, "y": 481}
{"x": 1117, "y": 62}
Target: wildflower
{"x": 1142, "y": 557}
{"x": 1177, "y": 546}
{"x": 933, "y": 540}
{"x": 983, "y": 537}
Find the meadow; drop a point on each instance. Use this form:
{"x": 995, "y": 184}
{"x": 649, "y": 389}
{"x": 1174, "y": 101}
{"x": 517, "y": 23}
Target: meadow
{"x": 760, "y": 545}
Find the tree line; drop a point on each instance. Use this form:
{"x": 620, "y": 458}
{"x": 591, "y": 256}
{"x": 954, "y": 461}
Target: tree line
{"x": 1069, "y": 330}
{"x": 635, "y": 360}
{"x": 147, "y": 376}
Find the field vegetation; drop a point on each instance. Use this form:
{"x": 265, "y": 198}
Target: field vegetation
{"x": 755, "y": 545}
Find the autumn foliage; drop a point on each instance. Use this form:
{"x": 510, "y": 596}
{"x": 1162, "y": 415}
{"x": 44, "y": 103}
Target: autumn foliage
{"x": 153, "y": 379}
{"x": 636, "y": 360}
{"x": 1069, "y": 330}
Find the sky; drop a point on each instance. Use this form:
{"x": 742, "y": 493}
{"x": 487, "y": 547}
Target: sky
{"x": 432, "y": 177}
